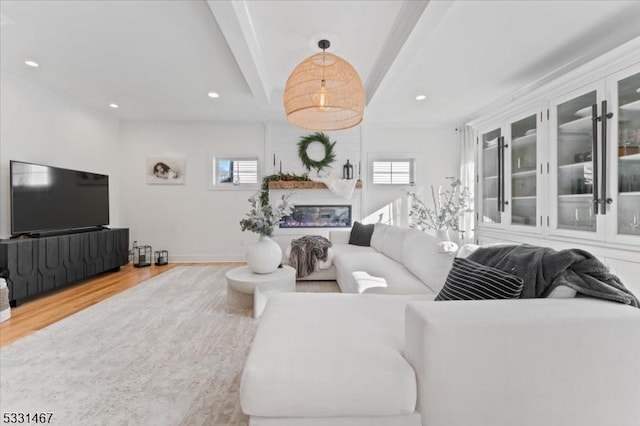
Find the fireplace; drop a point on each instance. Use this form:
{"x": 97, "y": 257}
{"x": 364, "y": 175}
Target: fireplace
{"x": 318, "y": 216}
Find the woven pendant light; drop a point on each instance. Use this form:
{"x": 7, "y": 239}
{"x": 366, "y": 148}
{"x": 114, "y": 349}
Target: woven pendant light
{"x": 324, "y": 92}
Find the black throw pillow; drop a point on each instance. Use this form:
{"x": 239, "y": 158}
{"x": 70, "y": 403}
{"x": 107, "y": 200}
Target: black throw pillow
{"x": 469, "y": 280}
{"x": 361, "y": 235}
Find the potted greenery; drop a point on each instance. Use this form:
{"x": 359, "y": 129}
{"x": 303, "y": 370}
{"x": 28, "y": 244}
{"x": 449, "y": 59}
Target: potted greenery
{"x": 265, "y": 255}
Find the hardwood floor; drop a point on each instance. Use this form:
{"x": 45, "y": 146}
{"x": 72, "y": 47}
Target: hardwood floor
{"x": 39, "y": 313}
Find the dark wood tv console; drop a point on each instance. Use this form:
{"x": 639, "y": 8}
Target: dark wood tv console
{"x": 39, "y": 265}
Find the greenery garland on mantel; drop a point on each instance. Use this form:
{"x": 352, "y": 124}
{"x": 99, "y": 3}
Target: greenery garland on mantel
{"x": 329, "y": 155}
{"x": 287, "y": 177}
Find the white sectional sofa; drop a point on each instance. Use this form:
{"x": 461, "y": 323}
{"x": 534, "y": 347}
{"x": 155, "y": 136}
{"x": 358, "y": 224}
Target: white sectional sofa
{"x": 349, "y": 360}
{"x": 406, "y": 360}
{"x": 399, "y": 261}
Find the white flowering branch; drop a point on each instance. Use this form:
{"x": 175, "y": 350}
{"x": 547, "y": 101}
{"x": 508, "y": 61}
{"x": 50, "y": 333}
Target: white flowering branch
{"x": 262, "y": 218}
{"x": 447, "y": 210}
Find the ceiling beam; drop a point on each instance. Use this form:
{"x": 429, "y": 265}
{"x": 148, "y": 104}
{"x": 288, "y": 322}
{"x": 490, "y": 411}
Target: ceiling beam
{"x": 409, "y": 32}
{"x": 237, "y": 25}
{"x": 408, "y": 16}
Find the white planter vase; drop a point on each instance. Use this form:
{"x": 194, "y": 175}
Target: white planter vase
{"x": 442, "y": 234}
{"x": 264, "y": 256}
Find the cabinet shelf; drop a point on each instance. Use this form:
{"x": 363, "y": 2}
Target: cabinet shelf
{"x": 583, "y": 123}
{"x": 525, "y": 140}
{"x": 629, "y": 194}
{"x": 573, "y": 165}
{"x": 528, "y": 197}
{"x": 632, "y": 157}
{"x": 569, "y": 196}
{"x": 631, "y": 106}
{"x": 490, "y": 177}
{"x": 526, "y": 173}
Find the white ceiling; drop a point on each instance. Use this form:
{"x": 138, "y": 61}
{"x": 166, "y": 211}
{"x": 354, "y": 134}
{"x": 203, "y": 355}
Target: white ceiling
{"x": 158, "y": 59}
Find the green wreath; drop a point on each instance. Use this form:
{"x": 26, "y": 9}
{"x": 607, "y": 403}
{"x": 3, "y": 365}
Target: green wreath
{"x": 329, "y": 155}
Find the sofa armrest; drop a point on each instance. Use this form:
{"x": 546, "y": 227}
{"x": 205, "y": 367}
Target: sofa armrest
{"x": 339, "y": 237}
{"x": 525, "y": 362}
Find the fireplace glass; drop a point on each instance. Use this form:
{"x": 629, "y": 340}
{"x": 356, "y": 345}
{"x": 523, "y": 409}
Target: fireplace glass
{"x": 318, "y": 216}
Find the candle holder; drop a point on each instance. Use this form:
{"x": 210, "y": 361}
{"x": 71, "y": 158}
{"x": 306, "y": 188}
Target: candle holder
{"x": 162, "y": 257}
{"x": 142, "y": 256}
{"x": 347, "y": 171}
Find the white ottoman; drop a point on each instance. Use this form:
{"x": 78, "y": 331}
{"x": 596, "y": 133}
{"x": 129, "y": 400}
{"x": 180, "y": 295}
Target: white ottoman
{"x": 246, "y": 289}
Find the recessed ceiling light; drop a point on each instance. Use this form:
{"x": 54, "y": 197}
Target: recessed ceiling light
{"x": 421, "y": 97}
{"x": 114, "y": 106}
{"x": 32, "y": 64}
{"x": 213, "y": 95}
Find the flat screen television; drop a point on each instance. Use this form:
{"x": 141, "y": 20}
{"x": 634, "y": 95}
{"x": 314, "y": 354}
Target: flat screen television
{"x": 47, "y": 199}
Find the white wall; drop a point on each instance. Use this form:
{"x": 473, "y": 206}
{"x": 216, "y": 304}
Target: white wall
{"x": 197, "y": 224}
{"x": 40, "y": 127}
{"x": 190, "y": 221}
{"x": 437, "y": 154}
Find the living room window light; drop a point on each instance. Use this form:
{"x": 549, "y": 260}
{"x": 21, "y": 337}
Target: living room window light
{"x": 230, "y": 172}
{"x": 393, "y": 172}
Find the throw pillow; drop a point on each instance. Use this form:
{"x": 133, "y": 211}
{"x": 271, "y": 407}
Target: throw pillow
{"x": 469, "y": 280}
{"x": 361, "y": 234}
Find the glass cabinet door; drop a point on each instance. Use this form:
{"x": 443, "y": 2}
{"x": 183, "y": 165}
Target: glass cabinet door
{"x": 490, "y": 206}
{"x": 524, "y": 171}
{"x": 575, "y": 171}
{"x": 628, "y": 155}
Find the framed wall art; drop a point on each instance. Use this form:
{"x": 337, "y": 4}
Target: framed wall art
{"x": 165, "y": 171}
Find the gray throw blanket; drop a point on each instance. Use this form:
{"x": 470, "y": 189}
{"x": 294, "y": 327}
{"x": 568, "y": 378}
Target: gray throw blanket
{"x": 306, "y": 252}
{"x": 543, "y": 269}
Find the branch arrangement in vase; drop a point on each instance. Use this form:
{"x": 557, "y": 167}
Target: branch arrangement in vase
{"x": 448, "y": 207}
{"x": 263, "y": 218}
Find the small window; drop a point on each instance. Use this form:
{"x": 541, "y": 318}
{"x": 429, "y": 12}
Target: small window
{"x": 393, "y": 172}
{"x": 234, "y": 172}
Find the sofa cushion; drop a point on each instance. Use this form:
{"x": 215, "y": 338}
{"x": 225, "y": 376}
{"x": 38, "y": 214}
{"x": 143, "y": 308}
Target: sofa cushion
{"x": 397, "y": 278}
{"x": 393, "y": 242}
{"x": 361, "y": 234}
{"x": 379, "y": 229}
{"x": 428, "y": 258}
{"x": 329, "y": 355}
{"x": 469, "y": 280}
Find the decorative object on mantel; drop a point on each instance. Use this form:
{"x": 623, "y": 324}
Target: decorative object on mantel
{"x": 264, "y": 256}
{"x": 324, "y": 92}
{"x": 347, "y": 171}
{"x": 342, "y": 187}
{"x": 284, "y": 179}
{"x": 448, "y": 207}
{"x": 322, "y": 163}
{"x": 276, "y": 184}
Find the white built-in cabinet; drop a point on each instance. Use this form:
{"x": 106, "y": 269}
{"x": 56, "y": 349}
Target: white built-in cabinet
{"x": 594, "y": 157}
{"x": 564, "y": 169}
{"x": 509, "y": 175}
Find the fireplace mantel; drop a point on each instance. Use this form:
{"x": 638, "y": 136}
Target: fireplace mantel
{"x": 307, "y": 184}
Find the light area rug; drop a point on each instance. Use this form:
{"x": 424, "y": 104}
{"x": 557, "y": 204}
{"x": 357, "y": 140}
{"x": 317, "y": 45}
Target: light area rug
{"x": 166, "y": 352}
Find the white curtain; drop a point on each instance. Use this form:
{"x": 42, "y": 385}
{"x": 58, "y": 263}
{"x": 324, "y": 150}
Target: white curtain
{"x": 467, "y": 177}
